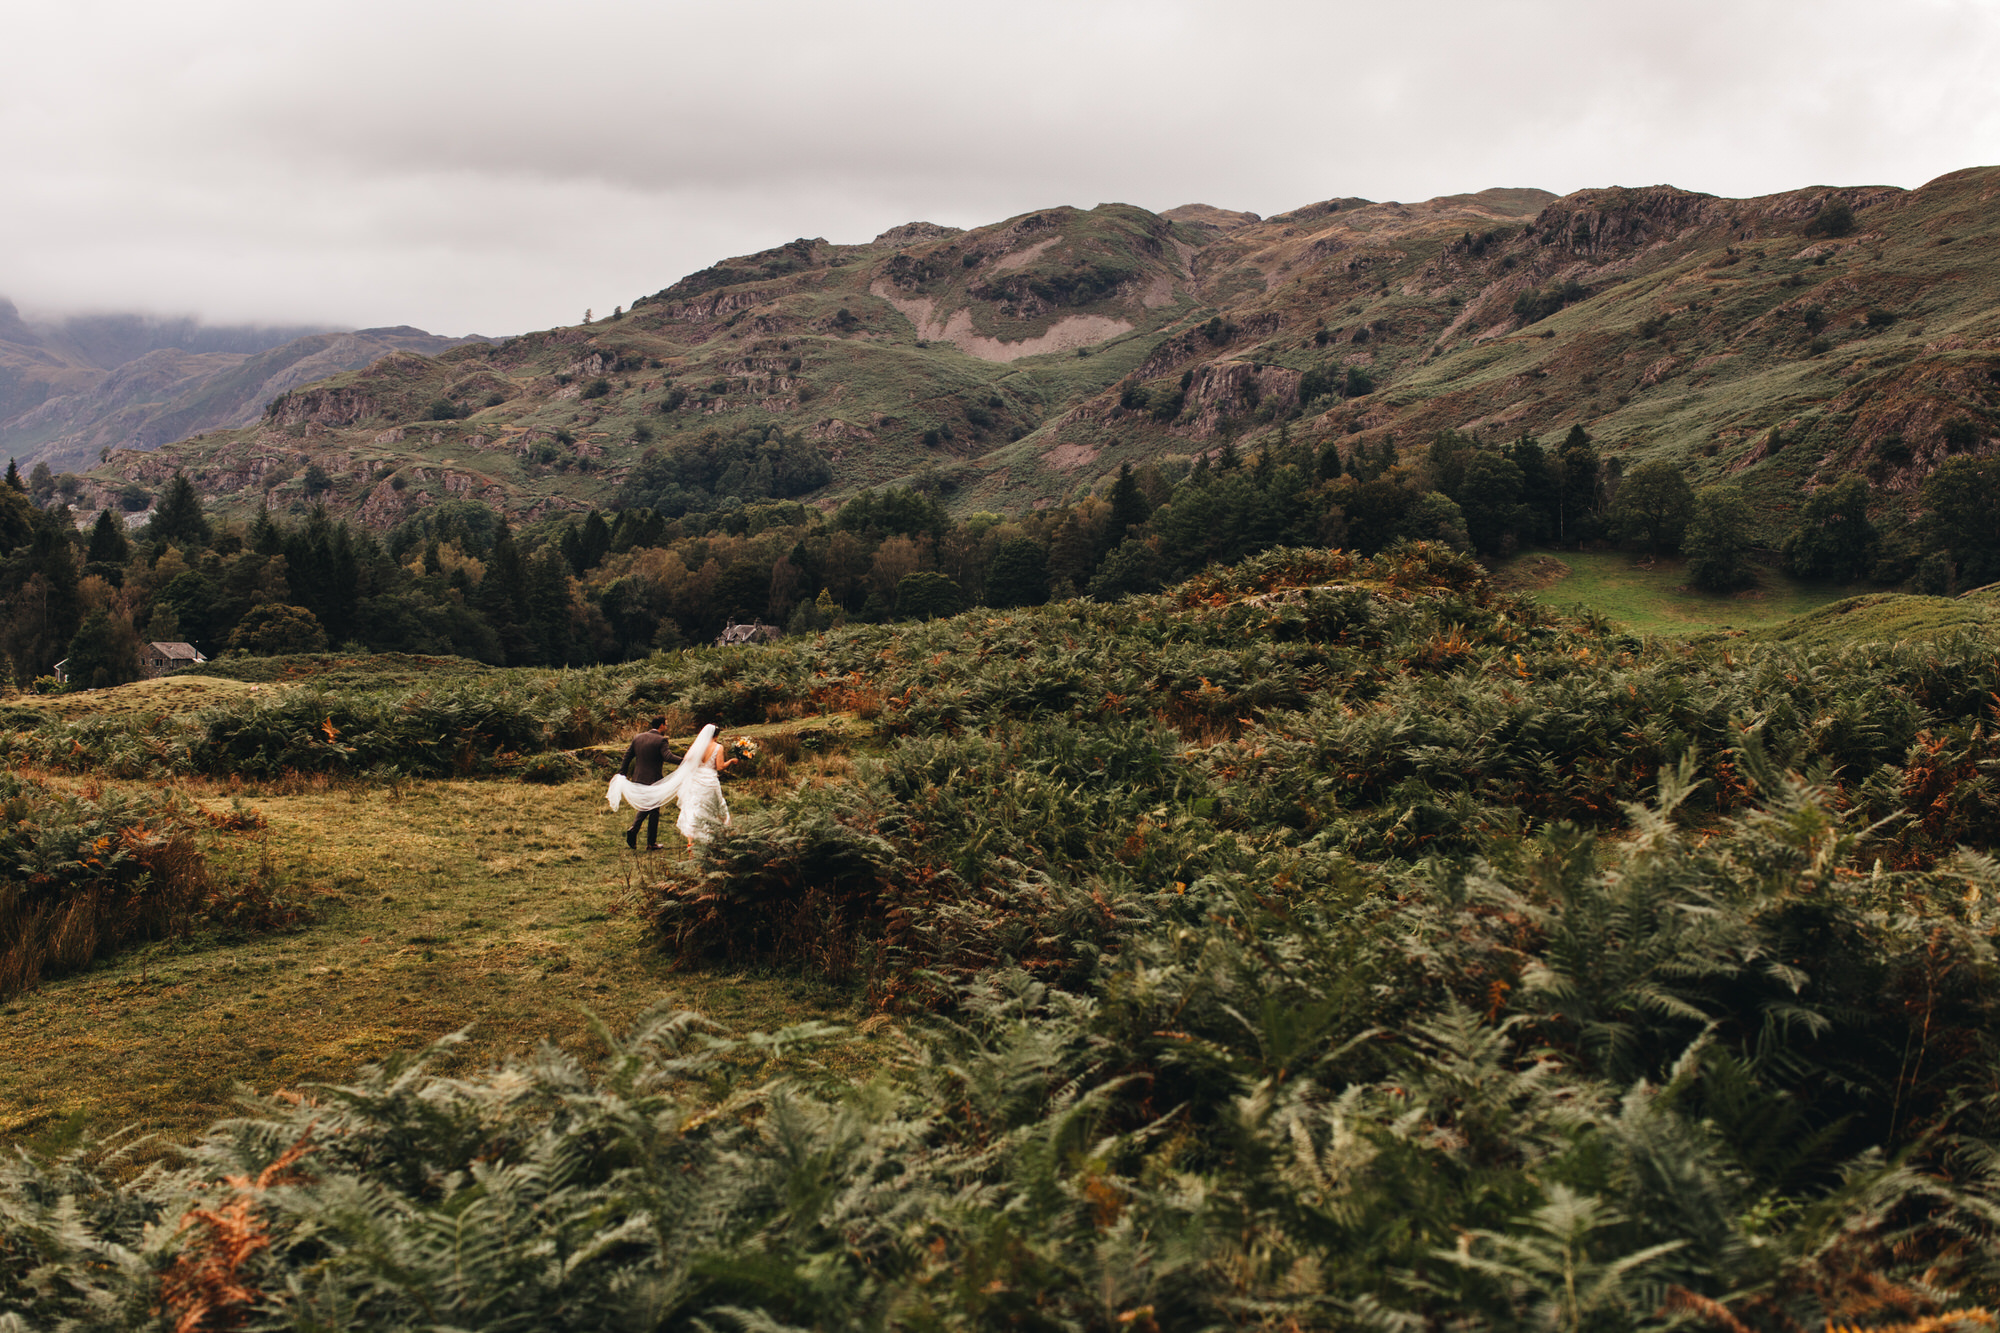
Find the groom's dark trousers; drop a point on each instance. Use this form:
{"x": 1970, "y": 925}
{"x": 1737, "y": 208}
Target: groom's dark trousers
{"x": 645, "y": 763}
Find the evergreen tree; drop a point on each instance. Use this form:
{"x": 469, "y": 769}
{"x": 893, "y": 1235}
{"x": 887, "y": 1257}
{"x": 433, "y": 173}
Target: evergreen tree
{"x": 1329, "y": 460}
{"x": 14, "y": 482}
{"x": 1072, "y": 553}
{"x": 1132, "y": 567}
{"x": 108, "y": 543}
{"x": 1449, "y": 454}
{"x": 1576, "y": 485}
{"x": 42, "y": 616}
{"x": 1373, "y": 513}
{"x": 503, "y": 597}
{"x": 265, "y": 539}
{"x": 1129, "y": 506}
{"x": 548, "y": 607}
{"x": 1541, "y": 492}
{"x": 596, "y": 541}
{"x": 17, "y": 526}
{"x": 179, "y": 518}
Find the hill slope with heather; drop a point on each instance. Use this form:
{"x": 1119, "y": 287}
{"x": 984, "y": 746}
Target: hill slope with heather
{"x": 1780, "y": 341}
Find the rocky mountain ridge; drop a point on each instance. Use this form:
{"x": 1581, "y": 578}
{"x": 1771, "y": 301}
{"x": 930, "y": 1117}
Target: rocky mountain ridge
{"x": 71, "y": 389}
{"x": 1779, "y": 341}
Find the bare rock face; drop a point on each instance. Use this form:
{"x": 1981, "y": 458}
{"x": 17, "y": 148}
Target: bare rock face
{"x": 342, "y": 406}
{"x": 910, "y": 233}
{"x": 1221, "y": 390}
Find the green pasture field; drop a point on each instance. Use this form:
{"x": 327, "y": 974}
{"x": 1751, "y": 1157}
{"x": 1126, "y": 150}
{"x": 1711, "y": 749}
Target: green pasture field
{"x": 1649, "y": 595}
{"x": 438, "y": 905}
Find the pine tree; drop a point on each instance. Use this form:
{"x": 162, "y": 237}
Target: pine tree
{"x": 108, "y": 544}
{"x": 595, "y": 539}
{"x": 1329, "y": 460}
{"x": 503, "y": 596}
{"x": 14, "y": 481}
{"x": 1576, "y": 481}
{"x": 548, "y": 603}
{"x": 265, "y": 538}
{"x": 1129, "y": 506}
{"x": 17, "y": 524}
{"x": 179, "y": 518}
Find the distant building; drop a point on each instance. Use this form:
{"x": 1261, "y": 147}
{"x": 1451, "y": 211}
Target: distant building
{"x": 155, "y": 660}
{"x": 159, "y": 659}
{"x": 755, "y": 631}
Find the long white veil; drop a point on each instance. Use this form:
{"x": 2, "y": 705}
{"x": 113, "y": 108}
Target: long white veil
{"x": 655, "y": 795}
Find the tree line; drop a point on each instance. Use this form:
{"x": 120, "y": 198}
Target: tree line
{"x": 610, "y": 586}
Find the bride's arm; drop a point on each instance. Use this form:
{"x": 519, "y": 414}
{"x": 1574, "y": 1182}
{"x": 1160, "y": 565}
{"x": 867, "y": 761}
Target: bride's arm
{"x": 716, "y": 756}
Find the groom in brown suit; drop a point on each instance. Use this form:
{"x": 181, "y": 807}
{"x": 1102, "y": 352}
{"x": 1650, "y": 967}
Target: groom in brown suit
{"x": 645, "y": 763}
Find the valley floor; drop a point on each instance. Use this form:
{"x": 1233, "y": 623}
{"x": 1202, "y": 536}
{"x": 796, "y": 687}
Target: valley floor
{"x": 439, "y": 905}
{"x": 1649, "y": 595}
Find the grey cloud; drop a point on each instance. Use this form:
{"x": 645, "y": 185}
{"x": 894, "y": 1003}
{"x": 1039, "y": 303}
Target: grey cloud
{"x": 499, "y": 166}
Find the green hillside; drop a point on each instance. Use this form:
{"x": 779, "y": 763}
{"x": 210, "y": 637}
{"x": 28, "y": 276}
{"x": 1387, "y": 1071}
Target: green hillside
{"x": 1779, "y": 343}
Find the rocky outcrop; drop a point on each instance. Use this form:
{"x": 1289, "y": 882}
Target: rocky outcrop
{"x": 1224, "y": 390}
{"x": 911, "y": 233}
{"x": 342, "y": 405}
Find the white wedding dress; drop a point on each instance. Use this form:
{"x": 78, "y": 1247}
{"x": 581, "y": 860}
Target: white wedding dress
{"x": 695, "y": 784}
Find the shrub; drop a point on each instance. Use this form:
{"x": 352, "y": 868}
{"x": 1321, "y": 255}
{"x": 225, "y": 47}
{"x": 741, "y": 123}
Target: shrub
{"x": 551, "y": 768}
{"x": 86, "y": 877}
{"x": 274, "y": 629}
{"x": 1537, "y": 304}
{"x": 598, "y": 388}
{"x": 1835, "y": 218}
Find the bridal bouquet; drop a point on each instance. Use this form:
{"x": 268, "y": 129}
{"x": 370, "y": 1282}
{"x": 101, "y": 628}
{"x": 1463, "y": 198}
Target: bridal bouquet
{"x": 742, "y": 747}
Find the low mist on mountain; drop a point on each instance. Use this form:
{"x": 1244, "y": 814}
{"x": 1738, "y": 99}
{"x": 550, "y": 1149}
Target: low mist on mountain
{"x": 74, "y": 386}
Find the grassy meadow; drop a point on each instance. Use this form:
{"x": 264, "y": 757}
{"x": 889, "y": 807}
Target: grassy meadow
{"x": 1650, "y": 594}
{"x": 493, "y": 905}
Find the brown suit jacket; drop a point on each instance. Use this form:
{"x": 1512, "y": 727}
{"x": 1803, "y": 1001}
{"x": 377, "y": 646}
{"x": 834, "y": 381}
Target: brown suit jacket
{"x": 646, "y": 758}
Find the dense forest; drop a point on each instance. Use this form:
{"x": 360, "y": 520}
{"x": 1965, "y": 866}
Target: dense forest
{"x": 707, "y": 538}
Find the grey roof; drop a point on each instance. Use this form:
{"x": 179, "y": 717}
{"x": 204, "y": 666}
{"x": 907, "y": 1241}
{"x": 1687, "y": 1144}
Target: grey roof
{"x": 177, "y": 650}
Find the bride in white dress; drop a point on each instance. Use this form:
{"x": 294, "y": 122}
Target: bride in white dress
{"x": 696, "y": 784}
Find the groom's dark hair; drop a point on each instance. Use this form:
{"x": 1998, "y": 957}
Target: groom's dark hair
{"x": 659, "y": 722}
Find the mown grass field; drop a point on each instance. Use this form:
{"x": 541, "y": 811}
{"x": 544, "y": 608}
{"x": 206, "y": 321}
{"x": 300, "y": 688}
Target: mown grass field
{"x": 1650, "y": 595}
{"x": 439, "y": 905}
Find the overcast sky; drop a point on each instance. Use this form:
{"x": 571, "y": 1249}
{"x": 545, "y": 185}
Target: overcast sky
{"x": 494, "y": 167}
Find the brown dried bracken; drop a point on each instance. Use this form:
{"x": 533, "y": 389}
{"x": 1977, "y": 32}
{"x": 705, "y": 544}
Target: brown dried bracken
{"x": 204, "y": 1290}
